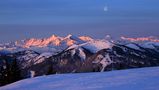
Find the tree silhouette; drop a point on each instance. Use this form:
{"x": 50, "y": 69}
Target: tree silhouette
{"x": 15, "y": 71}
{"x": 9, "y": 70}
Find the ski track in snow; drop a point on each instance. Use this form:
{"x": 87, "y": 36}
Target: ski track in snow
{"x": 132, "y": 79}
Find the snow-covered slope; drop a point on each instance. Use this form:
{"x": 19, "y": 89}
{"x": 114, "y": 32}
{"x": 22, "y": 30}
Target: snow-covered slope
{"x": 28, "y": 58}
{"x": 97, "y": 45}
{"x": 132, "y": 79}
{"x": 94, "y": 46}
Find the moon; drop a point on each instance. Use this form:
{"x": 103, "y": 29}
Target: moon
{"x": 105, "y": 8}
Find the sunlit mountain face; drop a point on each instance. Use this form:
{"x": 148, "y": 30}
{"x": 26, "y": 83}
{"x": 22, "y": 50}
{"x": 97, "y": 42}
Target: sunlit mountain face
{"x": 52, "y": 43}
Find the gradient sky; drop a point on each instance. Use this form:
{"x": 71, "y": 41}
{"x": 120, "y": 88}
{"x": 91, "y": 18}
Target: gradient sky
{"x": 20, "y": 19}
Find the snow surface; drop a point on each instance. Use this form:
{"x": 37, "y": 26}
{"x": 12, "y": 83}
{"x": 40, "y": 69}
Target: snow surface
{"x": 103, "y": 60}
{"x": 133, "y": 46}
{"x": 132, "y": 79}
{"x": 77, "y": 39}
{"x": 75, "y": 48}
{"x": 150, "y": 45}
{"x": 82, "y": 55}
{"x": 96, "y": 45}
{"x": 42, "y": 57}
{"x": 92, "y": 46}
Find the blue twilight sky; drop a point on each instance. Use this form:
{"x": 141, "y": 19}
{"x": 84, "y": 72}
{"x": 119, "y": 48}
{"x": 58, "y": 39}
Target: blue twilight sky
{"x": 20, "y": 19}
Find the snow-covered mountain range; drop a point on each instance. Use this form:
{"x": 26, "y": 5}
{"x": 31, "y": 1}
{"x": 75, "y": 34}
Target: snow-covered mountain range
{"x": 71, "y": 54}
{"x": 33, "y": 51}
{"x": 50, "y": 44}
{"x": 56, "y": 44}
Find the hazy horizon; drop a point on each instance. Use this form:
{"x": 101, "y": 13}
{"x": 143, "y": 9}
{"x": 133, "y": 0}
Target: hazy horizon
{"x": 20, "y": 19}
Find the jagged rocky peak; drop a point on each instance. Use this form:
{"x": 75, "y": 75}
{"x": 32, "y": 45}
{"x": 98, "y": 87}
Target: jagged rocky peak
{"x": 56, "y": 40}
{"x": 54, "y": 37}
{"x": 52, "y": 43}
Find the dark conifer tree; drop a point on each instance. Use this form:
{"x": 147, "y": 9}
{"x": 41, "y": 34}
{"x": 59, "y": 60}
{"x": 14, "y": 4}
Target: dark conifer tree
{"x": 15, "y": 71}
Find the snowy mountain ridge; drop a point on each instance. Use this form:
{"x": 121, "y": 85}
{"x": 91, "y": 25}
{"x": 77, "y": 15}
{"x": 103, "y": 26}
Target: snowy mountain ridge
{"x": 37, "y": 50}
{"x": 56, "y": 43}
{"x": 71, "y": 54}
{"x": 141, "y": 39}
{"x": 50, "y": 44}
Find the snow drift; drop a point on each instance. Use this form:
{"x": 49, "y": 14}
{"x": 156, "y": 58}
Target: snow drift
{"x": 133, "y": 79}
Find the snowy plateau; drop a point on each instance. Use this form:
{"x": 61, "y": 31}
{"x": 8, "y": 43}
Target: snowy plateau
{"x": 132, "y": 79}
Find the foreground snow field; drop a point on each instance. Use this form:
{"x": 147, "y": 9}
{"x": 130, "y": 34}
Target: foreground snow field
{"x": 132, "y": 79}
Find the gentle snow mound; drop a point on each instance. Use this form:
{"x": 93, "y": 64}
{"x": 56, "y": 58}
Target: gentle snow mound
{"x": 133, "y": 79}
